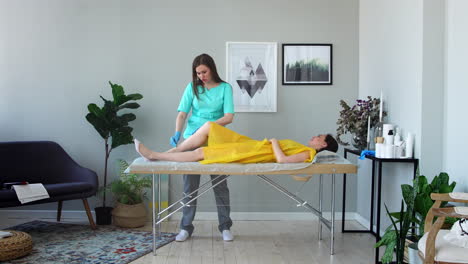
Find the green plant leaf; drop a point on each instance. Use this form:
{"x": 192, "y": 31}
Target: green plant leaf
{"x": 130, "y": 106}
{"x": 443, "y": 178}
{"x": 388, "y": 236}
{"x": 128, "y": 117}
{"x": 98, "y": 124}
{"x": 387, "y": 257}
{"x": 94, "y": 109}
{"x": 420, "y": 182}
{"x": 120, "y": 138}
{"x": 396, "y": 215}
{"x": 408, "y": 194}
{"x": 135, "y": 96}
{"x": 117, "y": 93}
{"x": 445, "y": 189}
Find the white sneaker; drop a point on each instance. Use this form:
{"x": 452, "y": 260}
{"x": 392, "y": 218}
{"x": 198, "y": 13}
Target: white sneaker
{"x": 227, "y": 235}
{"x": 182, "y": 236}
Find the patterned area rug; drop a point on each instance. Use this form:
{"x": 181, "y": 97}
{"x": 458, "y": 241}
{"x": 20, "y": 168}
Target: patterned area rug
{"x": 72, "y": 243}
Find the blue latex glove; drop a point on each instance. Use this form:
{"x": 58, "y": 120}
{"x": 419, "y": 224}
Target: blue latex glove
{"x": 175, "y": 138}
{"x": 367, "y": 152}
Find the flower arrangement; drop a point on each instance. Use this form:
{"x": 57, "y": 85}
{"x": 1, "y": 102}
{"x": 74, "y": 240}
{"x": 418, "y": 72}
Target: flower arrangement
{"x": 354, "y": 120}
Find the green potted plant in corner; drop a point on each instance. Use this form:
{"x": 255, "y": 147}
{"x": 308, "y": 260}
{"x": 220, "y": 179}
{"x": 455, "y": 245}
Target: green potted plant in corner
{"x": 395, "y": 235}
{"x": 129, "y": 191}
{"x": 115, "y": 131}
{"x": 421, "y": 204}
{"x": 423, "y": 201}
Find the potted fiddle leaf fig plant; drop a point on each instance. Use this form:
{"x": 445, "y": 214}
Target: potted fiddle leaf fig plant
{"x": 115, "y": 130}
{"x": 129, "y": 191}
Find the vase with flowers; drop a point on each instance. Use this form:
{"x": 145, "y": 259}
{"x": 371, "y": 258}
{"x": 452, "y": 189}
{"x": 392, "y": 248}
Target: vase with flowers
{"x": 358, "y": 121}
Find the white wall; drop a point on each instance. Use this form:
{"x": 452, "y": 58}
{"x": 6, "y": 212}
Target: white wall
{"x": 416, "y": 52}
{"x": 432, "y": 96}
{"x": 456, "y": 93}
{"x": 390, "y": 60}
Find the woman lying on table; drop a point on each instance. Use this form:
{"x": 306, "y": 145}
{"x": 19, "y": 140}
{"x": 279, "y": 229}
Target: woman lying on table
{"x": 227, "y": 146}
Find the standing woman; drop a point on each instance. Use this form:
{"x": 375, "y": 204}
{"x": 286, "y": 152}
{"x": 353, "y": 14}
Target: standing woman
{"x": 210, "y": 99}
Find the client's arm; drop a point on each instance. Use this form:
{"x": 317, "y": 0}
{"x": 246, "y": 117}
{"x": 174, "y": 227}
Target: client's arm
{"x": 282, "y": 158}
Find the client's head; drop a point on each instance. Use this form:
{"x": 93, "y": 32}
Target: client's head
{"x": 324, "y": 142}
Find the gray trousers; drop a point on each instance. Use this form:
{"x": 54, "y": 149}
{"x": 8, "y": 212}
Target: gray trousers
{"x": 221, "y": 192}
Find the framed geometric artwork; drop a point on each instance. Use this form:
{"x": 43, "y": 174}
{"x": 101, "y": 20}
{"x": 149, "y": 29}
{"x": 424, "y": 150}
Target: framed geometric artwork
{"x": 307, "y": 64}
{"x": 251, "y": 69}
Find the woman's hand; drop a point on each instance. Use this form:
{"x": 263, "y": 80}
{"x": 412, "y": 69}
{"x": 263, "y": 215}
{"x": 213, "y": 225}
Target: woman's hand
{"x": 273, "y": 140}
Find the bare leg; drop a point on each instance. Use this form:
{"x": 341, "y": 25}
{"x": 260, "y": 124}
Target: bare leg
{"x": 172, "y": 150}
{"x": 195, "y": 155}
{"x": 196, "y": 140}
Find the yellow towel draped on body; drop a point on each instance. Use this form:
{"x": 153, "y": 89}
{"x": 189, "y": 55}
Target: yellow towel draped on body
{"x": 225, "y": 146}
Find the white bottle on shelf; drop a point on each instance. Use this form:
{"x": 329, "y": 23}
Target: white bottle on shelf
{"x": 397, "y": 138}
{"x": 409, "y": 145}
{"x": 390, "y": 137}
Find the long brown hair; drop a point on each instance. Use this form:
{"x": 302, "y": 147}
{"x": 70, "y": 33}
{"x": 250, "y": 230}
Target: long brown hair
{"x": 203, "y": 59}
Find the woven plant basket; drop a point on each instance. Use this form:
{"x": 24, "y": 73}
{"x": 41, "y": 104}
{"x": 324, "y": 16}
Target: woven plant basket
{"x": 129, "y": 215}
{"x": 18, "y": 245}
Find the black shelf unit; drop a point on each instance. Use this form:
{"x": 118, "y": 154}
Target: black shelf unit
{"x": 378, "y": 162}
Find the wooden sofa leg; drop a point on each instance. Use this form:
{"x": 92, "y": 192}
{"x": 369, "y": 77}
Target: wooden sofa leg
{"x": 88, "y": 212}
{"x": 59, "y": 210}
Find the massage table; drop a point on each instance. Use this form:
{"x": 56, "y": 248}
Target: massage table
{"x": 325, "y": 162}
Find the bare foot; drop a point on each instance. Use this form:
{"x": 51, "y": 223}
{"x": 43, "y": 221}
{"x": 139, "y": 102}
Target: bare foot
{"x": 143, "y": 151}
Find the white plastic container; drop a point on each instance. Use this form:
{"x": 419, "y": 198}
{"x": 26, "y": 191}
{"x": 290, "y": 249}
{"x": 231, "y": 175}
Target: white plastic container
{"x": 388, "y": 139}
{"x": 389, "y": 151}
{"x": 397, "y": 139}
{"x": 409, "y": 145}
{"x": 379, "y": 149}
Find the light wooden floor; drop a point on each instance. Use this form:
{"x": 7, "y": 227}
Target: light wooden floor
{"x": 256, "y": 242}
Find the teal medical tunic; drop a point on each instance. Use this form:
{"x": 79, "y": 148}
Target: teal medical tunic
{"x": 211, "y": 105}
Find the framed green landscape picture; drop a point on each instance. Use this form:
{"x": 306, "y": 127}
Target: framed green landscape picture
{"x": 307, "y": 64}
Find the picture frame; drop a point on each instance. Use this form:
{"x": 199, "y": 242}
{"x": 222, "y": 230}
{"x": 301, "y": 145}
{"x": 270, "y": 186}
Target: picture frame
{"x": 307, "y": 64}
{"x": 251, "y": 69}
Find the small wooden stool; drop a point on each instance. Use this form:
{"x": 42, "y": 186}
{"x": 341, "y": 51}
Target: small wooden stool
{"x": 18, "y": 245}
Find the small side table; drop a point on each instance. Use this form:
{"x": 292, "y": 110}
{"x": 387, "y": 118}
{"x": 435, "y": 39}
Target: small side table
{"x": 18, "y": 245}
{"x": 379, "y": 162}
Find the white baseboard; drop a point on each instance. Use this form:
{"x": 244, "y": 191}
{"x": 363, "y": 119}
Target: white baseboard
{"x": 365, "y": 222}
{"x": 239, "y": 216}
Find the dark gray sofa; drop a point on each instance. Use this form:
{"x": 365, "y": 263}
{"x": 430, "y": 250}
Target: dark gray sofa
{"x": 45, "y": 162}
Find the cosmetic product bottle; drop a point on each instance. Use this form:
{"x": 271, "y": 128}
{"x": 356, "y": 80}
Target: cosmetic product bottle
{"x": 390, "y": 137}
{"x": 397, "y": 138}
{"x": 409, "y": 145}
{"x": 377, "y": 134}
